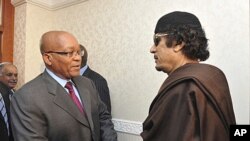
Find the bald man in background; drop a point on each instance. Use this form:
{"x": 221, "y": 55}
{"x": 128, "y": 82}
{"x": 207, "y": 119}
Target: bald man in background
{"x": 100, "y": 82}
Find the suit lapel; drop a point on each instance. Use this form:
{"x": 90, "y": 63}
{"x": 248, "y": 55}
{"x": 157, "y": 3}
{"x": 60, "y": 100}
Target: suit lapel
{"x": 85, "y": 98}
{"x": 63, "y": 100}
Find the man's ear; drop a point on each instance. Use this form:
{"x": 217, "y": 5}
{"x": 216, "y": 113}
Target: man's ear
{"x": 47, "y": 59}
{"x": 178, "y": 47}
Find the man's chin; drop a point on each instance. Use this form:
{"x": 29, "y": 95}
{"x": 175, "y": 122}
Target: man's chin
{"x": 158, "y": 68}
{"x": 74, "y": 74}
{"x": 12, "y": 86}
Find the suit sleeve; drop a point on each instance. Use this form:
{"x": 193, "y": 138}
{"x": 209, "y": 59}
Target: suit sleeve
{"x": 27, "y": 124}
{"x": 107, "y": 132}
{"x": 106, "y": 126}
{"x": 103, "y": 90}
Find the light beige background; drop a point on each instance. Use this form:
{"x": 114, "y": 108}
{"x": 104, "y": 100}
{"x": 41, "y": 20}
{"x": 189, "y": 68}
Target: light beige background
{"x": 118, "y": 35}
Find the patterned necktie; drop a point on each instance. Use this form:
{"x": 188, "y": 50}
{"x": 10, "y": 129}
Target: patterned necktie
{"x": 11, "y": 92}
{"x": 3, "y": 112}
{"x": 73, "y": 96}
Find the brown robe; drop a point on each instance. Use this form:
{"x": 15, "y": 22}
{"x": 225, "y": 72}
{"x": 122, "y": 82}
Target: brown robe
{"x": 193, "y": 104}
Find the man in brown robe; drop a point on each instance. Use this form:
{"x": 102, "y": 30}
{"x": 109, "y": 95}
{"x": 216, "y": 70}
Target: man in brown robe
{"x": 194, "y": 102}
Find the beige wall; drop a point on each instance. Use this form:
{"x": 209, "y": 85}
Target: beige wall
{"x": 30, "y": 23}
{"x": 118, "y": 35}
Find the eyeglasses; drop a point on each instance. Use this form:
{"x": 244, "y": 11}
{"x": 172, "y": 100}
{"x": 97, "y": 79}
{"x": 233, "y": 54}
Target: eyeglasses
{"x": 157, "y": 37}
{"x": 68, "y": 54}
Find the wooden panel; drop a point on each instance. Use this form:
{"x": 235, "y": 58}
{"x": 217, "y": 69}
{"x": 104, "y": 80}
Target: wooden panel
{"x": 7, "y": 29}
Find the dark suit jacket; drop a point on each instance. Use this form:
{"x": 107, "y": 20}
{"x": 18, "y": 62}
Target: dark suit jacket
{"x": 43, "y": 111}
{"x": 101, "y": 85}
{"x": 4, "y": 90}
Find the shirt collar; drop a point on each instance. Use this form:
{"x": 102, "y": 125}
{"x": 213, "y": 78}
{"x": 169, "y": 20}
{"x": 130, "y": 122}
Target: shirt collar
{"x": 61, "y": 81}
{"x": 83, "y": 69}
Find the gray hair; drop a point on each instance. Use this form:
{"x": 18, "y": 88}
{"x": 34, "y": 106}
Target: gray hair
{"x": 2, "y": 66}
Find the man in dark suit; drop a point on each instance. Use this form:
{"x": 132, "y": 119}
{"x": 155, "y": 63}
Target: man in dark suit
{"x": 8, "y": 81}
{"x": 100, "y": 82}
{"x": 59, "y": 104}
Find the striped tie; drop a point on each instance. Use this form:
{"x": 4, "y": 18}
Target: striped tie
{"x": 3, "y": 112}
{"x": 74, "y": 97}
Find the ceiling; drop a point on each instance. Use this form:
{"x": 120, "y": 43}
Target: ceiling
{"x": 48, "y": 4}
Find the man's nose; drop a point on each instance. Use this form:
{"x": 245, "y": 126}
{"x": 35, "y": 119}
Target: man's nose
{"x": 77, "y": 57}
{"x": 152, "y": 49}
{"x": 13, "y": 76}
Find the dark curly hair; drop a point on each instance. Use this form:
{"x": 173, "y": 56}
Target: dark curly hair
{"x": 196, "y": 43}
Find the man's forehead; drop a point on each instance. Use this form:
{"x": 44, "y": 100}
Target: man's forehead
{"x": 9, "y": 67}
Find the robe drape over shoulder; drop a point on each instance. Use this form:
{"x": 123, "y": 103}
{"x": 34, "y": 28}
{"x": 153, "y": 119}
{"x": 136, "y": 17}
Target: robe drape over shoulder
{"x": 193, "y": 104}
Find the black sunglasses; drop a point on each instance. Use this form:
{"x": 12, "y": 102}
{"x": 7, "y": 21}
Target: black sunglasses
{"x": 157, "y": 37}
